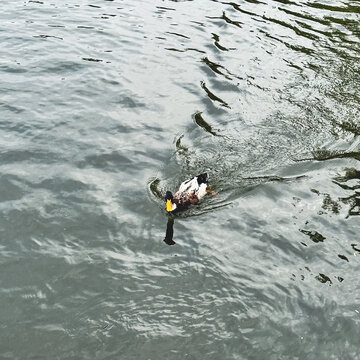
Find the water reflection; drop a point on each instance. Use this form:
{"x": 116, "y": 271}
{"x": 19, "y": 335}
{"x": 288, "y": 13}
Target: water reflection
{"x": 247, "y": 89}
{"x": 323, "y": 279}
{"x": 353, "y": 200}
{"x": 199, "y": 120}
{"x": 213, "y": 97}
{"x": 314, "y": 236}
{"x": 170, "y": 231}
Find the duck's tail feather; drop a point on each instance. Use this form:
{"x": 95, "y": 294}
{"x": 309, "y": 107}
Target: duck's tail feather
{"x": 202, "y": 178}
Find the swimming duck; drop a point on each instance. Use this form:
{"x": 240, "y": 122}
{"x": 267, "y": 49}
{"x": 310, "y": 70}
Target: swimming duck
{"x": 190, "y": 192}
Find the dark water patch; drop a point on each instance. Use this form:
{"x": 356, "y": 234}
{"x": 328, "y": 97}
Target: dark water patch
{"x": 256, "y": 2}
{"x": 154, "y": 189}
{"x": 323, "y": 279}
{"x": 253, "y": 83}
{"x": 199, "y": 120}
{"x": 324, "y": 155}
{"x": 314, "y": 236}
{"x": 91, "y": 59}
{"x": 85, "y": 27}
{"x": 130, "y": 102}
{"x": 226, "y": 19}
{"x": 14, "y": 109}
{"x": 343, "y": 257}
{"x": 111, "y": 82}
{"x": 230, "y": 21}
{"x": 196, "y": 50}
{"x": 174, "y": 49}
{"x": 217, "y": 43}
{"x": 165, "y": 8}
{"x": 13, "y": 69}
{"x": 63, "y": 67}
{"x": 256, "y": 180}
{"x": 213, "y": 97}
{"x": 342, "y": 9}
{"x": 185, "y": 50}
{"x": 11, "y": 188}
{"x": 59, "y": 185}
{"x": 215, "y": 68}
{"x": 22, "y": 155}
{"x": 306, "y": 16}
{"x": 354, "y": 204}
{"x": 198, "y": 23}
{"x": 44, "y": 36}
{"x": 297, "y": 48}
{"x": 350, "y": 174}
{"x": 177, "y": 34}
{"x": 311, "y": 28}
{"x": 330, "y": 204}
{"x": 351, "y": 126}
{"x": 293, "y": 65}
{"x": 292, "y": 27}
{"x": 238, "y": 8}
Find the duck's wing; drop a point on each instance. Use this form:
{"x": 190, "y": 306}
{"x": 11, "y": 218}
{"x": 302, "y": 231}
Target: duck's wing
{"x": 189, "y": 185}
{"x": 201, "y": 191}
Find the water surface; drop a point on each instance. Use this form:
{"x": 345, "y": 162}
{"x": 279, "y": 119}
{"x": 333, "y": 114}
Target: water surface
{"x": 105, "y": 105}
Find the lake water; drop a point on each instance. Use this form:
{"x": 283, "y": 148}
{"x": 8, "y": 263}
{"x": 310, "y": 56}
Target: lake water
{"x": 105, "y": 105}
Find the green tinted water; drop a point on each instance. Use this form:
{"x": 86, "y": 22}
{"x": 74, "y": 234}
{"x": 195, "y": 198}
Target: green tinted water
{"x": 105, "y": 105}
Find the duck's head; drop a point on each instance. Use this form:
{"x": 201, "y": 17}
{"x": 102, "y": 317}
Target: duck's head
{"x": 170, "y": 205}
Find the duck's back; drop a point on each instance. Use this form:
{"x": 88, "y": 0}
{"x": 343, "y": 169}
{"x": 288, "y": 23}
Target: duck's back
{"x": 189, "y": 185}
{"x": 196, "y": 186}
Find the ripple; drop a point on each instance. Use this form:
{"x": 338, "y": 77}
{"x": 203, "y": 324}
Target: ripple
{"x": 213, "y": 97}
{"x": 44, "y": 36}
{"x": 314, "y": 236}
{"x": 92, "y": 59}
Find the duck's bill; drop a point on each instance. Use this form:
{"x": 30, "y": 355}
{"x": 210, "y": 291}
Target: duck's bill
{"x": 169, "y": 206}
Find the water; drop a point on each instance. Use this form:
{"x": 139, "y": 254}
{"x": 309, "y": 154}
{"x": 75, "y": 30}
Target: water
{"x": 105, "y": 105}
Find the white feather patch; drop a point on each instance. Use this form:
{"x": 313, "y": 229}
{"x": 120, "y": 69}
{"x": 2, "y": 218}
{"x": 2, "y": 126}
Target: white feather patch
{"x": 189, "y": 185}
{"x": 202, "y": 191}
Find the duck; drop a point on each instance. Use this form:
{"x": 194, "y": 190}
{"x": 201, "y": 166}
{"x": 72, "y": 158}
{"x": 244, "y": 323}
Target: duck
{"x": 190, "y": 192}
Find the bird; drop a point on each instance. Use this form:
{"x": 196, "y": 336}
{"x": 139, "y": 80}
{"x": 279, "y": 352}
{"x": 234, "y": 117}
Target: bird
{"x": 190, "y": 192}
